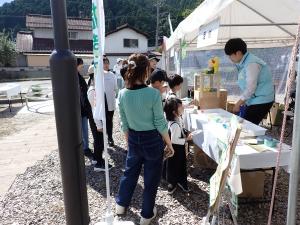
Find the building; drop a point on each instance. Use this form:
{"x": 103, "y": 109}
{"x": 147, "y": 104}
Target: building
{"x": 36, "y": 44}
{"x": 124, "y": 41}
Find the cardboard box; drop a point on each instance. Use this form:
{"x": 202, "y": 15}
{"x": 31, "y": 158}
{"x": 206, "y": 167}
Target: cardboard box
{"x": 201, "y": 160}
{"x": 253, "y": 184}
{"x": 230, "y": 105}
{"x": 276, "y": 115}
{"x": 210, "y": 100}
{"x": 223, "y": 98}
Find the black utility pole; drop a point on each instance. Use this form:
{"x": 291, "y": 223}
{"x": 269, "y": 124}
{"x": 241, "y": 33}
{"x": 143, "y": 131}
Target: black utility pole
{"x": 65, "y": 86}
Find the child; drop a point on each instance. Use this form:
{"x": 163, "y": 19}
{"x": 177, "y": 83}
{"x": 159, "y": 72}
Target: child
{"x": 96, "y": 126}
{"x": 175, "y": 82}
{"x": 175, "y": 167}
{"x": 110, "y": 88}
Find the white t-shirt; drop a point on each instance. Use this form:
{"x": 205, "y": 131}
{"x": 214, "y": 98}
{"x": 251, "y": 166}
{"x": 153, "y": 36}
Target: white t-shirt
{"x": 92, "y": 99}
{"x": 170, "y": 95}
{"x": 110, "y": 88}
{"x": 177, "y": 135}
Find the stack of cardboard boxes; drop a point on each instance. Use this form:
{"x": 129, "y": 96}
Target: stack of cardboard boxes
{"x": 207, "y": 91}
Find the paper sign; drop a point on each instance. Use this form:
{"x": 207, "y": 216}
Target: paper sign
{"x": 208, "y": 34}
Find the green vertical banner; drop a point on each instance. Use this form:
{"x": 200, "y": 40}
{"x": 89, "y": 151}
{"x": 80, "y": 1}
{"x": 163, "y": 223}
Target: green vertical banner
{"x": 98, "y": 24}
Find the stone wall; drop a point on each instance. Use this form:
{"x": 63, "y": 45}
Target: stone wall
{"x": 23, "y": 73}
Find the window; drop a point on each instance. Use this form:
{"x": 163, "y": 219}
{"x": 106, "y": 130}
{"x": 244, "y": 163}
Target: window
{"x": 131, "y": 43}
{"x": 73, "y": 35}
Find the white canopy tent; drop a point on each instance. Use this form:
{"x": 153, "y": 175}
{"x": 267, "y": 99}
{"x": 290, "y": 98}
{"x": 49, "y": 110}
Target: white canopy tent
{"x": 261, "y": 23}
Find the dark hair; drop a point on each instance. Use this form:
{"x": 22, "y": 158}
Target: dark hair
{"x": 170, "y": 107}
{"x": 175, "y": 80}
{"x": 90, "y": 79}
{"x": 137, "y": 69}
{"x": 234, "y": 45}
{"x": 79, "y": 61}
{"x": 105, "y": 59}
{"x": 123, "y": 71}
{"x": 158, "y": 75}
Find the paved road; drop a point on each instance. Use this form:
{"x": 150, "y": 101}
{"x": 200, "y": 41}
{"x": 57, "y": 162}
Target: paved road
{"x": 27, "y": 136}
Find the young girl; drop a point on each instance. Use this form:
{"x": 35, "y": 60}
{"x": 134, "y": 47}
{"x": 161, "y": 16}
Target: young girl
{"x": 175, "y": 167}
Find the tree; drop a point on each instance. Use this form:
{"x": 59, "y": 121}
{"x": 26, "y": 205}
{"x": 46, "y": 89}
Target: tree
{"x": 7, "y": 50}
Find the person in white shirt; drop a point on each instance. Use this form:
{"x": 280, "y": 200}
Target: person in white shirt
{"x": 117, "y": 70}
{"x": 96, "y": 126}
{"x": 110, "y": 88}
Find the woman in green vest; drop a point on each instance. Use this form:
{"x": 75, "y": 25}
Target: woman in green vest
{"x": 254, "y": 79}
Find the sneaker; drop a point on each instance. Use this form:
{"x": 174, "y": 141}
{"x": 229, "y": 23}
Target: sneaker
{"x": 111, "y": 143}
{"x": 171, "y": 188}
{"x": 145, "y": 221}
{"x": 184, "y": 187}
{"x": 88, "y": 153}
{"x": 101, "y": 167}
{"x": 94, "y": 161}
{"x": 120, "y": 210}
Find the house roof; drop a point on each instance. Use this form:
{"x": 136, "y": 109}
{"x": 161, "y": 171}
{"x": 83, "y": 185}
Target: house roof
{"x": 129, "y": 27}
{"x": 26, "y": 43}
{"x": 45, "y": 21}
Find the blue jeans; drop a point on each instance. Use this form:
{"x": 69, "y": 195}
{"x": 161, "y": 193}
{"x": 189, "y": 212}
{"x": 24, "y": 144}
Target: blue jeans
{"x": 85, "y": 132}
{"x": 144, "y": 148}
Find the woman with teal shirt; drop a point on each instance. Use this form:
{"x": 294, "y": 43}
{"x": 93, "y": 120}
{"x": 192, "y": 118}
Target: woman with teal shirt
{"x": 255, "y": 81}
{"x": 145, "y": 128}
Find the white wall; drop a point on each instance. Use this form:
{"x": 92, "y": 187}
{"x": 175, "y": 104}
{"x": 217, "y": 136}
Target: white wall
{"x": 43, "y": 33}
{"x": 114, "y": 42}
{"x": 48, "y": 33}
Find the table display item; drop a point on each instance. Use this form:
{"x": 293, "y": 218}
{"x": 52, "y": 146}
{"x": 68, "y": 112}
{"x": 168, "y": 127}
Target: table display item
{"x": 207, "y": 91}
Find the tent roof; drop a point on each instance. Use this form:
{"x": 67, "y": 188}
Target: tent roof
{"x": 266, "y": 23}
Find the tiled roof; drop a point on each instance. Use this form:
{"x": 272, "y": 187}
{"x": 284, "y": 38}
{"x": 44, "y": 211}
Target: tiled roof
{"x": 43, "y": 21}
{"x": 127, "y": 26}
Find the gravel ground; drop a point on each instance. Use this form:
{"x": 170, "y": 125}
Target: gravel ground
{"x": 36, "y": 196}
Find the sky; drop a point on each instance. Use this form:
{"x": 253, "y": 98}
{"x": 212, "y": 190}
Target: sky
{"x": 4, "y": 1}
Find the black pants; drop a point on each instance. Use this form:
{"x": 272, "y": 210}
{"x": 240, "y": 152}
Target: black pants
{"x": 109, "y": 121}
{"x": 256, "y": 113}
{"x": 174, "y": 168}
{"x": 98, "y": 140}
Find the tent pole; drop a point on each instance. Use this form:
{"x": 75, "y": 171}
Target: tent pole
{"x": 180, "y": 57}
{"x": 295, "y": 160}
{"x": 180, "y": 63}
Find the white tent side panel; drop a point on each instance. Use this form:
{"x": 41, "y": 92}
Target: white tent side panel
{"x": 244, "y": 19}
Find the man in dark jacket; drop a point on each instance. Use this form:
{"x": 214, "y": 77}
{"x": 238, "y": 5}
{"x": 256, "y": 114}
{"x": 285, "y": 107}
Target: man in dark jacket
{"x": 85, "y": 109}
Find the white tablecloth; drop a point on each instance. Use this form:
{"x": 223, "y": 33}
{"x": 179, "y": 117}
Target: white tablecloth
{"x": 10, "y": 90}
{"x": 248, "y": 157}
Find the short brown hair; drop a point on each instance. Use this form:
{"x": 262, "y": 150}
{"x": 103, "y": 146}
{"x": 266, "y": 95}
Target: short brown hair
{"x": 137, "y": 69}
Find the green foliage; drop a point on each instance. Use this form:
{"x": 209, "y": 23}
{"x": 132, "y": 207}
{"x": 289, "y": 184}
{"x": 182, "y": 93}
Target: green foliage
{"x": 138, "y": 13}
{"x": 7, "y": 50}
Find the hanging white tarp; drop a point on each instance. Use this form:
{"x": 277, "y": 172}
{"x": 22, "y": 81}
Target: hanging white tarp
{"x": 261, "y": 23}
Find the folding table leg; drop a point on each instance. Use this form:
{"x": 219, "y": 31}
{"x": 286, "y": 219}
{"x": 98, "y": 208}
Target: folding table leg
{"x": 9, "y": 105}
{"x": 270, "y": 119}
{"x": 21, "y": 98}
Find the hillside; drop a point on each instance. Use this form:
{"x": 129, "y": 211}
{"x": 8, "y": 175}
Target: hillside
{"x": 138, "y": 13}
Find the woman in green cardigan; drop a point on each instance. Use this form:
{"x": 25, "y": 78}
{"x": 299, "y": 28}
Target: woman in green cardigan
{"x": 145, "y": 128}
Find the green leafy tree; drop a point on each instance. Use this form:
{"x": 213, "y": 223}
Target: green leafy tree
{"x": 138, "y": 13}
{"x": 7, "y": 50}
